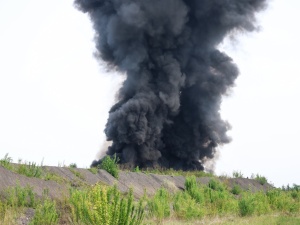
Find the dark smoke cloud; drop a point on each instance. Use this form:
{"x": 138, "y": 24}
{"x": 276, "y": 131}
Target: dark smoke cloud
{"x": 168, "y": 109}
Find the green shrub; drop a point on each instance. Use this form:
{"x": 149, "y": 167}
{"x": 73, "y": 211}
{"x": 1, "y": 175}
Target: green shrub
{"x": 6, "y": 162}
{"x": 73, "y": 165}
{"x": 261, "y": 179}
{"x": 192, "y": 188}
{"x": 253, "y": 203}
{"x": 30, "y": 169}
{"x": 185, "y": 207}
{"x": 237, "y": 174}
{"x": 45, "y": 214}
{"x": 104, "y": 205}
{"x": 110, "y": 165}
{"x": 236, "y": 190}
{"x": 159, "y": 205}
{"x": 93, "y": 170}
{"x": 246, "y": 205}
{"x": 216, "y": 185}
{"x": 21, "y": 197}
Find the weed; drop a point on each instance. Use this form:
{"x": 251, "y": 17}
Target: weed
{"x": 93, "y": 170}
{"x": 237, "y": 174}
{"x": 45, "y": 214}
{"x": 73, "y": 165}
{"x": 21, "y": 197}
{"x": 6, "y": 162}
{"x": 261, "y": 179}
{"x": 104, "y": 205}
{"x": 236, "y": 190}
{"x": 77, "y": 173}
{"x": 30, "y": 169}
{"x": 110, "y": 165}
{"x": 159, "y": 205}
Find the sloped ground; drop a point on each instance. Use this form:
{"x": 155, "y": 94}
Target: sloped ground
{"x": 140, "y": 182}
{"x": 63, "y": 178}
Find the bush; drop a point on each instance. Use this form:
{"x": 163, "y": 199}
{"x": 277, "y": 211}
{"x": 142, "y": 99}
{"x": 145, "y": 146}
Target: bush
{"x": 104, "y": 205}
{"x": 193, "y": 189}
{"x": 6, "y": 162}
{"x": 110, "y": 165}
{"x": 159, "y": 205}
{"x": 45, "y": 214}
{"x": 236, "y": 190}
{"x": 30, "y": 170}
{"x": 261, "y": 179}
{"x": 185, "y": 207}
{"x": 237, "y": 174}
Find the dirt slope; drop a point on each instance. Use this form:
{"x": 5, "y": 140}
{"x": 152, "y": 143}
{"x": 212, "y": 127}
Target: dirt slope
{"x": 76, "y": 177}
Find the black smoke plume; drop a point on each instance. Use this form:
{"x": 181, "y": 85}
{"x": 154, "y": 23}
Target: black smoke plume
{"x": 168, "y": 109}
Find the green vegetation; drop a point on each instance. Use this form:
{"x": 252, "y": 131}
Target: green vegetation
{"x": 45, "y": 213}
{"x": 261, "y": 179}
{"x": 237, "y": 174}
{"x": 216, "y": 202}
{"x": 110, "y": 165}
{"x": 6, "y": 162}
{"x": 172, "y": 172}
{"x": 29, "y": 169}
{"x": 104, "y": 205}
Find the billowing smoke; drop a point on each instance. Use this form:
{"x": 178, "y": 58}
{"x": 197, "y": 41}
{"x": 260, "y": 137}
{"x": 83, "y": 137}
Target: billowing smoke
{"x": 168, "y": 109}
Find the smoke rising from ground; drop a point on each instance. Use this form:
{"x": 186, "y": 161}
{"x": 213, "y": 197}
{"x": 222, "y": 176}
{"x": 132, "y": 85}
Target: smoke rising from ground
{"x": 168, "y": 109}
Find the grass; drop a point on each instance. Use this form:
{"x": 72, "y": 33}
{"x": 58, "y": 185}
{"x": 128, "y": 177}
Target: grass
{"x": 214, "y": 203}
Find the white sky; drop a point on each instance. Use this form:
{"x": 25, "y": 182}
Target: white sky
{"x": 54, "y": 96}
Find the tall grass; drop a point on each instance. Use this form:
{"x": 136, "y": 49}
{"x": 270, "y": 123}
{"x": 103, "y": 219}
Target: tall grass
{"x": 104, "y": 205}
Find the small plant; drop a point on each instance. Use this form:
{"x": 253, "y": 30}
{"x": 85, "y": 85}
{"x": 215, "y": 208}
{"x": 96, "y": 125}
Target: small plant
{"x": 6, "y": 162}
{"x": 104, "y": 205}
{"x": 159, "y": 205}
{"x": 237, "y": 174}
{"x": 137, "y": 169}
{"x": 261, "y": 179}
{"x": 93, "y": 170}
{"x": 21, "y": 197}
{"x": 30, "y": 169}
{"x": 76, "y": 173}
{"x": 110, "y": 165}
{"x": 73, "y": 165}
{"x": 45, "y": 214}
{"x": 236, "y": 190}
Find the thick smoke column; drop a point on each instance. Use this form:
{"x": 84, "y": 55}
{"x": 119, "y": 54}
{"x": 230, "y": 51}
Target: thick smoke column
{"x": 168, "y": 109}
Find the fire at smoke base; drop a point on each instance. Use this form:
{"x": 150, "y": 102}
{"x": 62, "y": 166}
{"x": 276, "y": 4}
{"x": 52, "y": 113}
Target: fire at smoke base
{"x": 168, "y": 109}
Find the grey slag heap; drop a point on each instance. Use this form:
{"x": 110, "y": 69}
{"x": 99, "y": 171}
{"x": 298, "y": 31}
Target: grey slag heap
{"x": 167, "y": 112}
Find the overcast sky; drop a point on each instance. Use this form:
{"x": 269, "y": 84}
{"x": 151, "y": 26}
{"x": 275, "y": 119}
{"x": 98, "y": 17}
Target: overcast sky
{"x": 55, "y": 97}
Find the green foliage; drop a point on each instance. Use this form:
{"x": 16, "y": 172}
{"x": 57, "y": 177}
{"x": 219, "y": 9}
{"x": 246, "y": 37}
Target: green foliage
{"x": 237, "y": 174}
{"x": 77, "y": 173}
{"x": 159, "y": 205}
{"x": 110, "y": 165}
{"x": 6, "y": 162}
{"x": 30, "y": 169}
{"x": 104, "y": 205}
{"x": 236, "y": 190}
{"x": 193, "y": 190}
{"x": 93, "y": 170}
{"x": 216, "y": 185}
{"x": 253, "y": 204}
{"x": 185, "y": 207}
{"x": 45, "y": 214}
{"x": 172, "y": 172}
{"x": 137, "y": 169}
{"x": 261, "y": 179}
{"x": 73, "y": 165}
{"x": 20, "y": 197}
